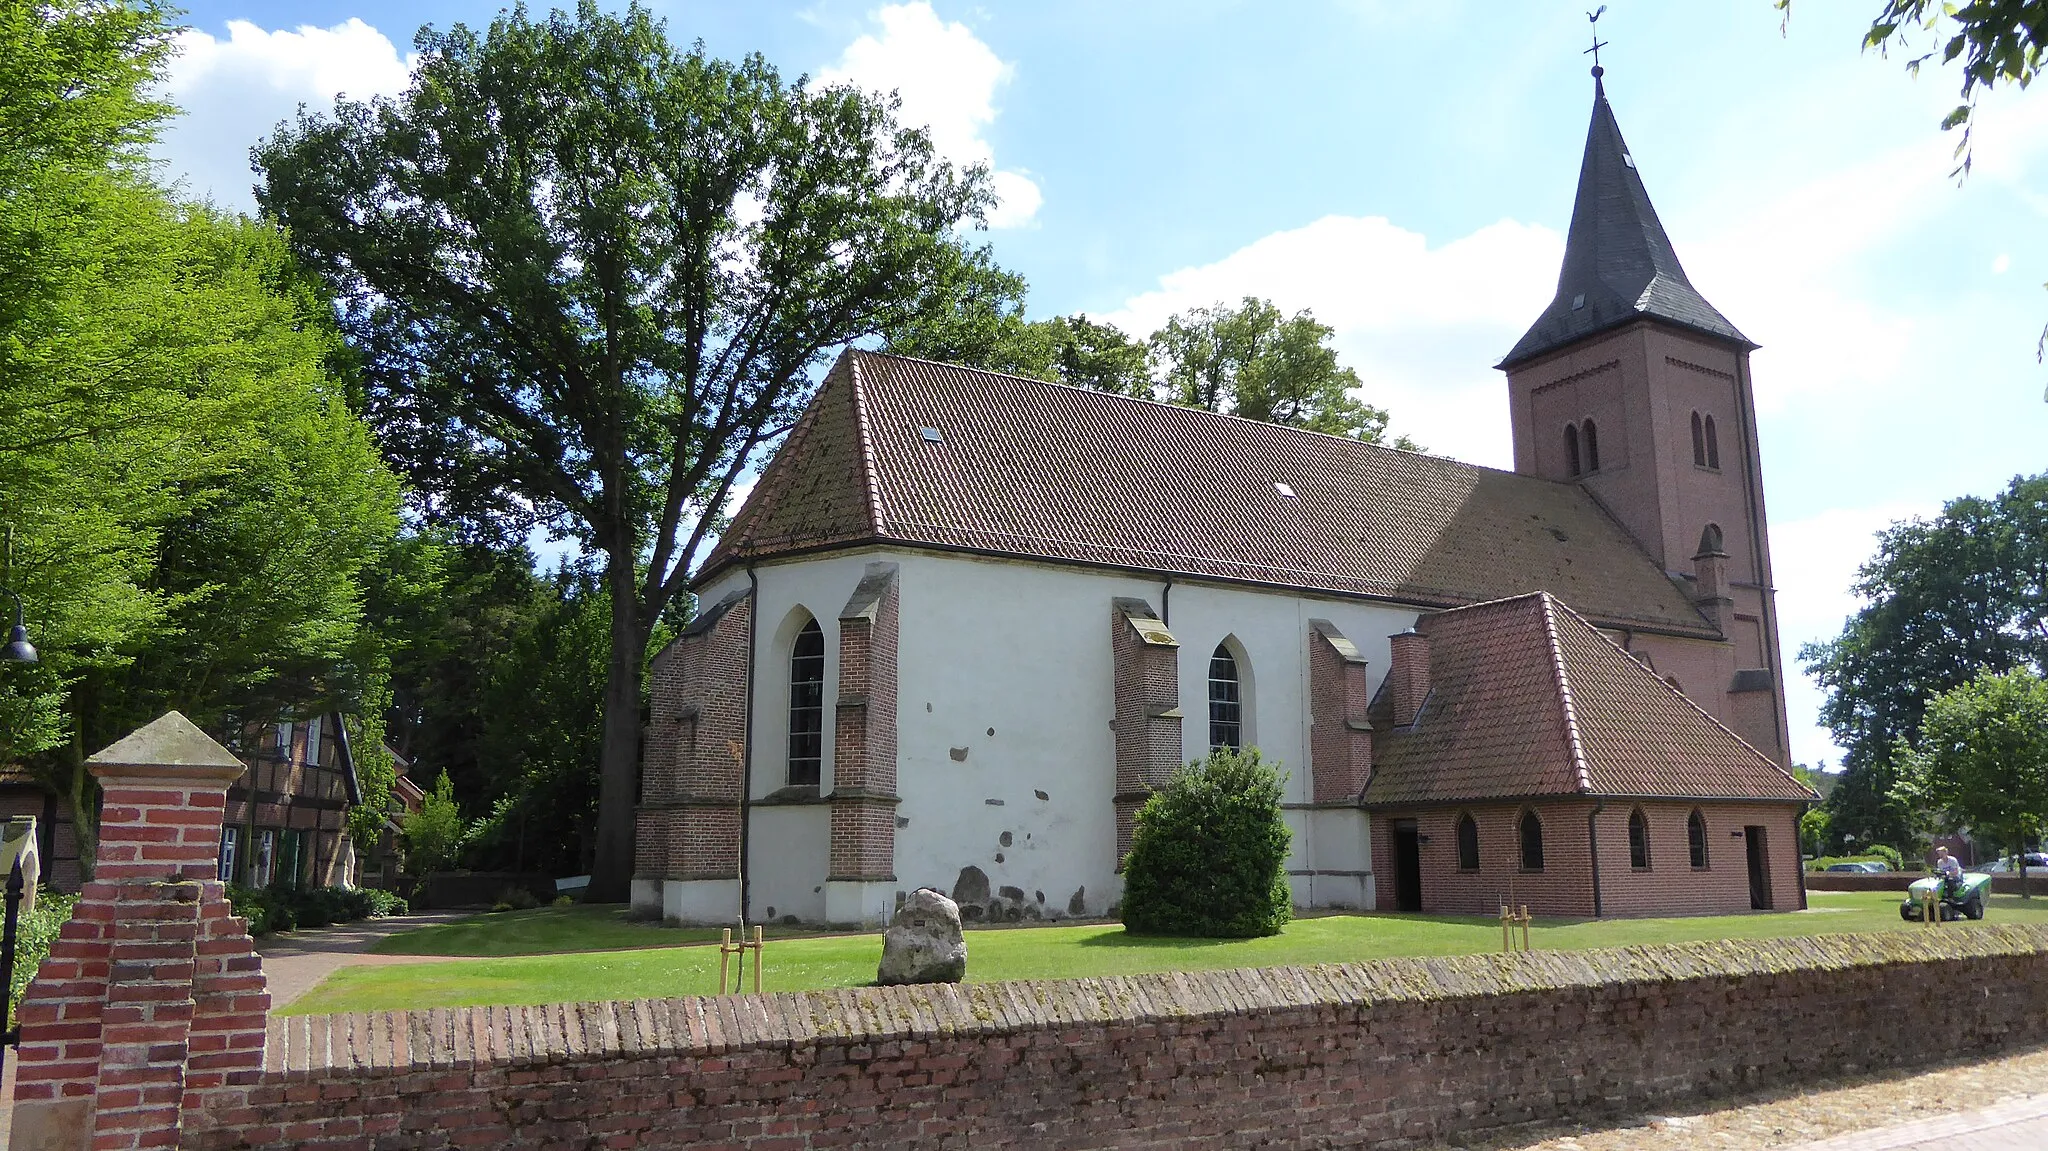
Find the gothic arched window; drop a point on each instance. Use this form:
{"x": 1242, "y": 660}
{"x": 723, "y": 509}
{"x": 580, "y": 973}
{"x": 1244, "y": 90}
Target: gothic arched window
{"x": 1696, "y": 837}
{"x": 1713, "y": 445}
{"x": 1638, "y": 840}
{"x": 1532, "y": 842}
{"x": 1226, "y": 701}
{"x": 806, "y": 705}
{"x": 1468, "y": 843}
{"x": 1592, "y": 436}
{"x": 1571, "y": 449}
{"x": 1699, "y": 442}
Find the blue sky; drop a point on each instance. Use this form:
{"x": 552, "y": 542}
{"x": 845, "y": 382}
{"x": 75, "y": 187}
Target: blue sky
{"x": 1406, "y": 171}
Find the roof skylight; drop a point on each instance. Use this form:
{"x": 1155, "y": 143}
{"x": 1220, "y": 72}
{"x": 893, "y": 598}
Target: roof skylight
{"x": 931, "y": 435}
{"x": 1284, "y": 490}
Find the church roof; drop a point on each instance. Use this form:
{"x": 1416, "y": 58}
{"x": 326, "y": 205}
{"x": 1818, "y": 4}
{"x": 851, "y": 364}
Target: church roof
{"x": 1619, "y": 265}
{"x": 1527, "y": 700}
{"x": 919, "y": 454}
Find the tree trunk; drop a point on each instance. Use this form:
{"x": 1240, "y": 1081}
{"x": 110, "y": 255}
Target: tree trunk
{"x": 611, "y": 871}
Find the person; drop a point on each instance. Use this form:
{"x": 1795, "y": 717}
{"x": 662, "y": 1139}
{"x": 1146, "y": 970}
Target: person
{"x": 1950, "y": 870}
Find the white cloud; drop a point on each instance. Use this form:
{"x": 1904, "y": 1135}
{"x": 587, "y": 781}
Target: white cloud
{"x": 947, "y": 79}
{"x": 2000, "y": 263}
{"x": 236, "y": 90}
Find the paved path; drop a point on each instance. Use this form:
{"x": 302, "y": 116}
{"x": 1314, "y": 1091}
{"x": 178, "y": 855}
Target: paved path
{"x": 297, "y": 962}
{"x": 2017, "y": 1125}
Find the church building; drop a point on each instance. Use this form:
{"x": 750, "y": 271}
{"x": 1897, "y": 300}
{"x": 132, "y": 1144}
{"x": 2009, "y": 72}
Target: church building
{"x": 967, "y": 622}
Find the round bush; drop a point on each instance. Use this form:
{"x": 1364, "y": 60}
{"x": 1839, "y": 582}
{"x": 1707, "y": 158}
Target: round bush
{"x": 1209, "y": 853}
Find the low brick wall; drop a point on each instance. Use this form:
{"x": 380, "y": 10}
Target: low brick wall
{"x": 1370, "y": 1055}
{"x": 2037, "y": 881}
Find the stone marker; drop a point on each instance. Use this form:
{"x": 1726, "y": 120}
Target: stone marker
{"x": 923, "y": 943}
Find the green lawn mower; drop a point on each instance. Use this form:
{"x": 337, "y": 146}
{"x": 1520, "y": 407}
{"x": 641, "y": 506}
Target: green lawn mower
{"x": 1962, "y": 899}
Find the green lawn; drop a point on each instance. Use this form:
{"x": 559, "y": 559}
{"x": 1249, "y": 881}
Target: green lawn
{"x": 590, "y": 964}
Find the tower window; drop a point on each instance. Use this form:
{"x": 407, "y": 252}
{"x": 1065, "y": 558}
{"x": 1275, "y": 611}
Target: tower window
{"x": 1571, "y": 449}
{"x": 1592, "y": 447}
{"x": 1713, "y": 445}
{"x": 1468, "y": 843}
{"x": 1226, "y": 701}
{"x": 1696, "y": 837}
{"x": 1699, "y": 443}
{"x": 1638, "y": 840}
{"x": 1532, "y": 842}
{"x": 806, "y": 705}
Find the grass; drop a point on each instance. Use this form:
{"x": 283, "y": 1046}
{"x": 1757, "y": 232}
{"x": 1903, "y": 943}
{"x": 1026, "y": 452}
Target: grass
{"x": 592, "y": 964}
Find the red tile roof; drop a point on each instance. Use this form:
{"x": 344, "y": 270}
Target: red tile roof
{"x": 1528, "y": 699}
{"x": 1022, "y": 467}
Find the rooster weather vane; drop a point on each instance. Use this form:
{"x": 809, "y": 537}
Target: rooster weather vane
{"x": 1593, "y": 18}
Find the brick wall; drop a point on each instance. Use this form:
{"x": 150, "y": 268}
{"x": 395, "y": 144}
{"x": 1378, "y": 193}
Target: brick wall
{"x": 687, "y": 824}
{"x": 864, "y": 742}
{"x": 1340, "y": 737}
{"x": 1392, "y": 1052}
{"x": 1148, "y": 715}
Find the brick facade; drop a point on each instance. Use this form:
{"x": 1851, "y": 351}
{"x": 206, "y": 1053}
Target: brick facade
{"x": 1148, "y": 715}
{"x": 688, "y": 821}
{"x": 864, "y": 751}
{"x": 1390, "y": 1053}
{"x": 1407, "y": 675}
{"x": 1340, "y": 736}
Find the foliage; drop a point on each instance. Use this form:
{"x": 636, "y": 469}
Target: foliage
{"x": 433, "y": 834}
{"x": 1945, "y": 598}
{"x": 1813, "y": 830}
{"x": 1981, "y": 756}
{"x": 33, "y": 935}
{"x": 1254, "y": 362}
{"x": 515, "y": 898}
{"x": 1209, "y": 852}
{"x": 278, "y": 908}
{"x": 589, "y": 278}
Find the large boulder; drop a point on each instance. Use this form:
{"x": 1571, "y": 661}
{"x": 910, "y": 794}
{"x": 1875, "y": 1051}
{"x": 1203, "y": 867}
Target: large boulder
{"x": 923, "y": 943}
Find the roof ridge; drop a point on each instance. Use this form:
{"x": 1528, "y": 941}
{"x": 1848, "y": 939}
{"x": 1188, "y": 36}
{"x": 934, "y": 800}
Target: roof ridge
{"x": 1688, "y": 700}
{"x": 1575, "y": 747}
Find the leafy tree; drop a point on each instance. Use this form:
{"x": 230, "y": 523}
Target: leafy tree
{"x": 433, "y": 834}
{"x": 1254, "y": 362}
{"x": 1209, "y": 853}
{"x": 1981, "y": 756}
{"x": 989, "y": 332}
{"x": 1946, "y": 598}
{"x": 590, "y": 277}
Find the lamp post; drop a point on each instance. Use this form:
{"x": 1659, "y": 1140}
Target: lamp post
{"x": 18, "y": 649}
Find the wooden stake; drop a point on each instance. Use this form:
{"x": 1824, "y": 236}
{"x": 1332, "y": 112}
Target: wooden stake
{"x": 724, "y": 956}
{"x": 1525, "y": 927}
{"x": 757, "y": 959}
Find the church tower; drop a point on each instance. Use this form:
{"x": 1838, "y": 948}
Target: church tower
{"x": 1631, "y": 384}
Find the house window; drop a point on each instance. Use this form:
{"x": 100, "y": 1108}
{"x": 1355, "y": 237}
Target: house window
{"x": 1638, "y": 840}
{"x": 1571, "y": 449}
{"x": 1696, "y": 838}
{"x": 313, "y": 742}
{"x": 266, "y": 853}
{"x": 1592, "y": 437}
{"x": 1699, "y": 442}
{"x": 1468, "y": 843}
{"x": 283, "y": 737}
{"x": 230, "y": 838}
{"x": 1713, "y": 445}
{"x": 1532, "y": 842}
{"x": 807, "y": 705}
{"x": 1226, "y": 701}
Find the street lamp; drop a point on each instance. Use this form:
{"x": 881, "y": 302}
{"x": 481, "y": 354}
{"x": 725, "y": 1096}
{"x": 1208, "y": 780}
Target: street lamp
{"x": 18, "y": 649}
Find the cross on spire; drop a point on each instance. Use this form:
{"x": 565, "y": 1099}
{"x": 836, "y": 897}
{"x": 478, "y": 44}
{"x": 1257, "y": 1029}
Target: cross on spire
{"x": 1593, "y": 18}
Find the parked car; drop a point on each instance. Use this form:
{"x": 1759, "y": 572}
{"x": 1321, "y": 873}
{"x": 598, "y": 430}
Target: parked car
{"x": 2036, "y": 861}
{"x": 1867, "y": 865}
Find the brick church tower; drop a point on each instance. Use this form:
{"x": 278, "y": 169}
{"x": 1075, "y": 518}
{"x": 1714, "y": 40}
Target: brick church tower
{"x": 1631, "y": 384}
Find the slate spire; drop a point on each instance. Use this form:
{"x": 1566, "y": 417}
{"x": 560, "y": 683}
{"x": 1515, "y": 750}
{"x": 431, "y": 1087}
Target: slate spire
{"x": 1618, "y": 263}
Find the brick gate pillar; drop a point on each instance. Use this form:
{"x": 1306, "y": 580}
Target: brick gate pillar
{"x": 152, "y": 995}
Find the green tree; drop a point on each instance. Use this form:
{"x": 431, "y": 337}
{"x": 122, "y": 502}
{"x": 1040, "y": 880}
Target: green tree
{"x": 590, "y": 278}
{"x": 1255, "y": 362}
{"x": 1981, "y": 757}
{"x": 433, "y": 834}
{"x": 1209, "y": 853}
{"x": 1945, "y": 598}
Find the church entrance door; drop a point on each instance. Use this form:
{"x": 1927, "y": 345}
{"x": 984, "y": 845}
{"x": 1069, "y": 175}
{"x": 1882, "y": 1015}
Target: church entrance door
{"x": 1759, "y": 869}
{"x": 1407, "y": 866}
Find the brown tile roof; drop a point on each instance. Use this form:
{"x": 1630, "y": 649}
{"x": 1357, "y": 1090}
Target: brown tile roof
{"x": 1528, "y": 699}
{"x": 1027, "y": 468}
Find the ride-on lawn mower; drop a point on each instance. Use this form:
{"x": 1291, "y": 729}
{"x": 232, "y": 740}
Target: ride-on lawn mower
{"x": 1964, "y": 899}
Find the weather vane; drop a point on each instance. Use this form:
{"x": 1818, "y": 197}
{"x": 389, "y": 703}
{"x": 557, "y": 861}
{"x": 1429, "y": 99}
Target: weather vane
{"x": 1593, "y": 18}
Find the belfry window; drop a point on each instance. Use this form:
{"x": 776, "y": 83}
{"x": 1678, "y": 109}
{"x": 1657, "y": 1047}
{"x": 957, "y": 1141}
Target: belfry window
{"x": 806, "y": 705}
{"x": 1713, "y": 445}
{"x": 1638, "y": 840}
{"x": 1592, "y": 436}
{"x": 1532, "y": 842}
{"x": 1696, "y": 838}
{"x": 1226, "y": 701}
{"x": 1571, "y": 449}
{"x": 1699, "y": 442}
{"x": 1468, "y": 843}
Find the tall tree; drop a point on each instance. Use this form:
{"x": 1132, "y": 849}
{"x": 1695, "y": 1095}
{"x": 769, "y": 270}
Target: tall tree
{"x": 590, "y": 277}
{"x": 1980, "y": 757}
{"x": 1946, "y": 598}
{"x": 1254, "y": 361}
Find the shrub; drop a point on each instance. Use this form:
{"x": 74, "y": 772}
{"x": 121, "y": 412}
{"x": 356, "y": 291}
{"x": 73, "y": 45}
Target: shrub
{"x": 515, "y": 898}
{"x": 33, "y": 934}
{"x": 384, "y": 903}
{"x": 1209, "y": 853}
{"x": 1889, "y": 854}
{"x": 565, "y": 901}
